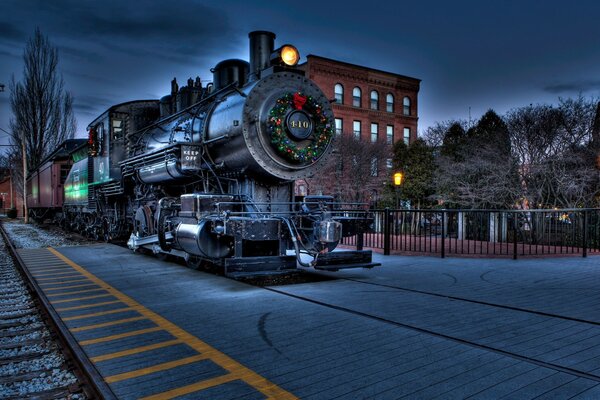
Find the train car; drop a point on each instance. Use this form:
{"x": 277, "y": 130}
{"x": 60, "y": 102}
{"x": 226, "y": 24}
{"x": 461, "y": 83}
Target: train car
{"x": 207, "y": 172}
{"x": 45, "y": 192}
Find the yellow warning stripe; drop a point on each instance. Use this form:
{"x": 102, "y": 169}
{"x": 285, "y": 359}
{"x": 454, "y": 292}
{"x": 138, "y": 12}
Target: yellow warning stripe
{"x": 194, "y": 387}
{"x": 75, "y": 292}
{"x": 56, "y": 278}
{"x": 68, "y": 287}
{"x": 120, "y": 336}
{"x": 46, "y": 284}
{"x": 155, "y": 368}
{"x": 104, "y": 303}
{"x": 97, "y": 296}
{"x": 236, "y": 369}
{"x": 135, "y": 350}
{"x": 105, "y": 324}
{"x": 52, "y": 272}
{"x": 96, "y": 314}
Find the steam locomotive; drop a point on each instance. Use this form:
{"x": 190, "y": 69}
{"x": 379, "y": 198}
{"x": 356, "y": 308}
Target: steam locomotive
{"x": 207, "y": 173}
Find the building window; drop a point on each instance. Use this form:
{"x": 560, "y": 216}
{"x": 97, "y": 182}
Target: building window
{"x": 339, "y": 93}
{"x": 339, "y": 125}
{"x": 389, "y": 134}
{"x": 356, "y": 129}
{"x": 406, "y": 105}
{"x": 356, "y": 95}
{"x": 374, "y": 171}
{"x": 374, "y": 132}
{"x": 388, "y": 163}
{"x": 389, "y": 102}
{"x": 374, "y": 100}
{"x": 407, "y": 136}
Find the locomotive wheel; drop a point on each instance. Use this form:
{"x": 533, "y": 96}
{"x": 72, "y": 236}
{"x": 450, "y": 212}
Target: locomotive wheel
{"x": 106, "y": 230}
{"x": 195, "y": 262}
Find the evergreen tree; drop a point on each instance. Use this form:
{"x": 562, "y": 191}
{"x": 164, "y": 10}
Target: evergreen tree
{"x": 417, "y": 164}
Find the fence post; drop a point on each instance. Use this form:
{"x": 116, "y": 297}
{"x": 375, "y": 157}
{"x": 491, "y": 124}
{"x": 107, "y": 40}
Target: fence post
{"x": 360, "y": 240}
{"x": 443, "y": 233}
{"x": 585, "y": 233}
{"x": 386, "y": 232}
{"x": 515, "y": 223}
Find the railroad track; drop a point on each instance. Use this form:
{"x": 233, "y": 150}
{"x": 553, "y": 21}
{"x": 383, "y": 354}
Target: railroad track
{"x": 39, "y": 359}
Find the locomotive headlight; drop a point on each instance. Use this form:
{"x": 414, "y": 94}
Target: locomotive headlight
{"x": 285, "y": 55}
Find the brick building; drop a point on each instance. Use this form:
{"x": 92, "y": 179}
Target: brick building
{"x": 370, "y": 104}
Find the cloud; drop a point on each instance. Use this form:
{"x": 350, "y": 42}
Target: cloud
{"x": 9, "y": 54}
{"x": 11, "y": 33}
{"x": 174, "y": 30}
{"x": 580, "y": 86}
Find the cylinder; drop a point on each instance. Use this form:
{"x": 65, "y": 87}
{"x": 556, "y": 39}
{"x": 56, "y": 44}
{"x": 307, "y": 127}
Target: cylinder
{"x": 262, "y": 44}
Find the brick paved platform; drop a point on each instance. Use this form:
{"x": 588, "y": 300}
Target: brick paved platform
{"x": 416, "y": 327}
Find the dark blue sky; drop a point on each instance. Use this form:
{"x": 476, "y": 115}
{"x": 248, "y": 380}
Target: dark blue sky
{"x": 477, "y": 54}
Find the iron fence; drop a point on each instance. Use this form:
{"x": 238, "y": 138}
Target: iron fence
{"x": 509, "y": 233}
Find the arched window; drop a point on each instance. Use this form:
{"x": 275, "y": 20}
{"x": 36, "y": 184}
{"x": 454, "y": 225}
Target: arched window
{"x": 389, "y": 102}
{"x": 374, "y": 100}
{"x": 356, "y": 96}
{"x": 406, "y": 105}
{"x": 339, "y": 93}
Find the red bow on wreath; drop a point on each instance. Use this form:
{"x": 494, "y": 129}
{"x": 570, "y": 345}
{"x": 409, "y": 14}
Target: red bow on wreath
{"x": 299, "y": 101}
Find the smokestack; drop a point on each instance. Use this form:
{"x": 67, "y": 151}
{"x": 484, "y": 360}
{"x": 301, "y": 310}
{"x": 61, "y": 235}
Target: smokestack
{"x": 262, "y": 44}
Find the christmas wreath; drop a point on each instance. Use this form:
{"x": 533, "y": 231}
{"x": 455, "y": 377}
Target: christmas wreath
{"x": 287, "y": 147}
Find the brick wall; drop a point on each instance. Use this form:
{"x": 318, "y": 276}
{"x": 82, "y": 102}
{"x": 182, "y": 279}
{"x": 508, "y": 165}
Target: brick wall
{"x": 326, "y": 73}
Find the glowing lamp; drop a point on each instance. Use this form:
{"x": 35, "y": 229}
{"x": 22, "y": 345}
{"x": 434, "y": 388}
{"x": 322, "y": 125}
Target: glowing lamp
{"x": 398, "y": 176}
{"x": 285, "y": 55}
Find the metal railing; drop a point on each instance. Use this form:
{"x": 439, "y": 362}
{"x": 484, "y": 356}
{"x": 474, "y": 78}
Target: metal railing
{"x": 508, "y": 233}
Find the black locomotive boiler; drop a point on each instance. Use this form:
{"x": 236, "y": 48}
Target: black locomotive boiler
{"x": 207, "y": 173}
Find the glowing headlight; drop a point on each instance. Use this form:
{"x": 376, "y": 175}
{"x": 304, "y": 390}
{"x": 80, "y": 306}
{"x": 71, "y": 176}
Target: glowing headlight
{"x": 290, "y": 55}
{"x": 285, "y": 55}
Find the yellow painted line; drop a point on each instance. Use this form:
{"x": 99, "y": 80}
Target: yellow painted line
{"x": 57, "y": 278}
{"x": 105, "y": 324}
{"x": 44, "y": 266}
{"x": 63, "y": 282}
{"x": 82, "y": 298}
{"x": 235, "y": 368}
{"x": 119, "y": 336}
{"x": 68, "y": 287}
{"x": 135, "y": 350}
{"x": 75, "y": 292}
{"x": 97, "y": 314}
{"x": 105, "y": 303}
{"x": 53, "y": 271}
{"x": 154, "y": 368}
{"x": 194, "y": 387}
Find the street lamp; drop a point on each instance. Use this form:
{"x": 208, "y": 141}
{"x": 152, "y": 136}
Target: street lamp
{"x": 398, "y": 179}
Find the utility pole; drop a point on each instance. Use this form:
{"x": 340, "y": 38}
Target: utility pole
{"x": 25, "y": 211}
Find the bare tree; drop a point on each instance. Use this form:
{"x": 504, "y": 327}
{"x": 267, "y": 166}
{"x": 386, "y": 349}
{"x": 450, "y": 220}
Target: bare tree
{"x": 556, "y": 151}
{"x": 434, "y": 135}
{"x": 42, "y": 109}
{"x": 354, "y": 171}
